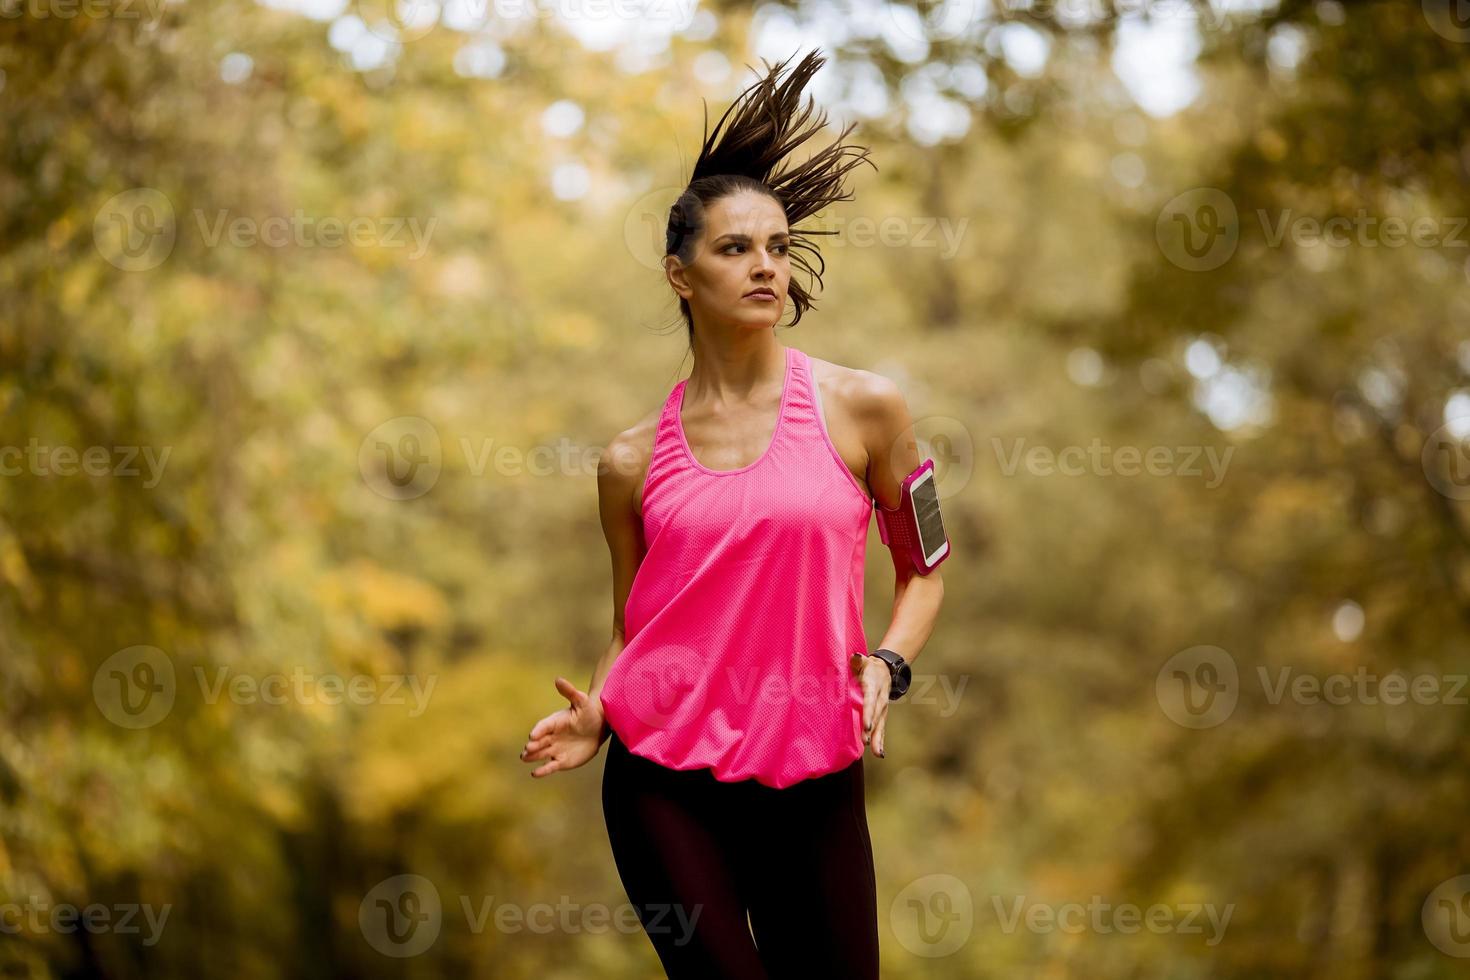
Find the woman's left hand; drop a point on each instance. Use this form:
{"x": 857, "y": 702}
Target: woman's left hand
{"x": 877, "y": 679}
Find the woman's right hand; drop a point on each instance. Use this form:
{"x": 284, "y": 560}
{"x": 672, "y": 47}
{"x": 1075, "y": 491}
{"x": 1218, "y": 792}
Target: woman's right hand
{"x": 567, "y": 738}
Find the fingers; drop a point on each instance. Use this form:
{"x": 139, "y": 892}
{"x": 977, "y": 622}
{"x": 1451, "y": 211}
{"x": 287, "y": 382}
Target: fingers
{"x": 544, "y": 748}
{"x": 535, "y": 747}
{"x": 869, "y": 702}
{"x": 878, "y": 731}
{"x": 872, "y": 705}
{"x": 545, "y": 726}
{"x": 569, "y": 691}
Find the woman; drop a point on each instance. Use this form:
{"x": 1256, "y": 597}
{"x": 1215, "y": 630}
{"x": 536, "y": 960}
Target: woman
{"x": 737, "y": 691}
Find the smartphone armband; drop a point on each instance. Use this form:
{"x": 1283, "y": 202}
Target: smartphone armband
{"x": 914, "y": 528}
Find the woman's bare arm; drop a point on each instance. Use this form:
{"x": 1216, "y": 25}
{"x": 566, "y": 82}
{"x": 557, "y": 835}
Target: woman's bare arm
{"x": 893, "y": 454}
{"x": 619, "y": 475}
{"x": 570, "y": 737}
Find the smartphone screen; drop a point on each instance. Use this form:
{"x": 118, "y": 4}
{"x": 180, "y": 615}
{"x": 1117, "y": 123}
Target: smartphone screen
{"x": 926, "y": 513}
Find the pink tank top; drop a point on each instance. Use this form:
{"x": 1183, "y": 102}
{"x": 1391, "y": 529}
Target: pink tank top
{"x": 747, "y": 605}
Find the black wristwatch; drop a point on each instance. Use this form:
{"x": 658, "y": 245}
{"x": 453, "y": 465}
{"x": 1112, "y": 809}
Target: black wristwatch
{"x": 900, "y": 670}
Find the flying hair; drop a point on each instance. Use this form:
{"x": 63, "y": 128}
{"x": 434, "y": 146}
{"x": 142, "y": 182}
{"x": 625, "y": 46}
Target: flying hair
{"x": 747, "y": 150}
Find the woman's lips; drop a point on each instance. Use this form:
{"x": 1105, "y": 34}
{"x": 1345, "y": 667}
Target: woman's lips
{"x": 760, "y": 295}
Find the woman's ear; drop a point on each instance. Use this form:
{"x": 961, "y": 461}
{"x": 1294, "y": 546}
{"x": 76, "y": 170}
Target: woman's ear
{"x": 677, "y": 276}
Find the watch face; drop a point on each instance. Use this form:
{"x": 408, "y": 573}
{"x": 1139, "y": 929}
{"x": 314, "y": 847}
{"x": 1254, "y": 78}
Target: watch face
{"x": 901, "y": 682}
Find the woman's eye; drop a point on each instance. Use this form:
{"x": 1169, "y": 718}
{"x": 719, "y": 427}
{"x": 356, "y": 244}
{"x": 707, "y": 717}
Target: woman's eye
{"x": 783, "y": 248}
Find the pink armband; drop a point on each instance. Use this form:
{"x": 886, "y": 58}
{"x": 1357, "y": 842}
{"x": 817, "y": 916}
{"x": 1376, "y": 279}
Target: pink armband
{"x": 914, "y": 528}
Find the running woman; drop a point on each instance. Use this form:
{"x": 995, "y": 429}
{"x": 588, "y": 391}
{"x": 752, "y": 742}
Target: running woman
{"x": 738, "y": 691}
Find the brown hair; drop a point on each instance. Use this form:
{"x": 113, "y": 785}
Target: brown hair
{"x": 768, "y": 124}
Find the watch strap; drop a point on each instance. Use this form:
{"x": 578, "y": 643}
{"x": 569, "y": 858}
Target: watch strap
{"x": 896, "y": 666}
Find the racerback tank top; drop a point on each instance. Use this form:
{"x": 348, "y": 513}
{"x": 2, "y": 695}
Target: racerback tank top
{"x": 747, "y": 605}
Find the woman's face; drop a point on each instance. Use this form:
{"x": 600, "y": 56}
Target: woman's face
{"x": 744, "y": 247}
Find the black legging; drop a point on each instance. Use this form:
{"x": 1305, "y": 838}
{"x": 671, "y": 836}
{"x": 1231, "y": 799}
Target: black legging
{"x": 696, "y": 855}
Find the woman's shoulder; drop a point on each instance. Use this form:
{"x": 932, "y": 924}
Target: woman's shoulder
{"x": 630, "y": 452}
{"x": 858, "y": 393}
